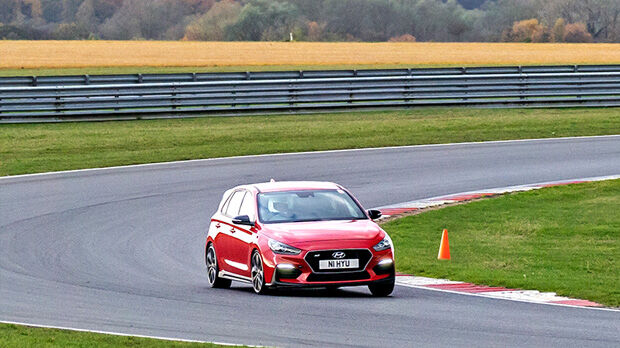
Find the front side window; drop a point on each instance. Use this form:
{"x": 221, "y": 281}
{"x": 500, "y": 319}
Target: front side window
{"x": 235, "y": 202}
{"x": 307, "y": 205}
{"x": 247, "y": 207}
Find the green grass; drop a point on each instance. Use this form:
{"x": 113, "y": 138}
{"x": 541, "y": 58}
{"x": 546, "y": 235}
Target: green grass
{"x": 31, "y": 148}
{"x": 17, "y": 336}
{"x": 563, "y": 239}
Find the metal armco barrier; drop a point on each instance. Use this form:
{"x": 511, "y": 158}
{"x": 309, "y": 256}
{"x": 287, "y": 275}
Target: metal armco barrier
{"x": 96, "y": 98}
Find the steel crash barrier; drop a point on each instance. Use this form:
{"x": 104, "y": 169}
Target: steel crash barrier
{"x": 116, "y": 97}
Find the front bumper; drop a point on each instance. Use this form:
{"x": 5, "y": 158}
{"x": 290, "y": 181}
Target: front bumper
{"x": 296, "y": 271}
{"x": 280, "y": 284}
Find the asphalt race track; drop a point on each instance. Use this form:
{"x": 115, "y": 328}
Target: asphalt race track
{"x": 121, "y": 250}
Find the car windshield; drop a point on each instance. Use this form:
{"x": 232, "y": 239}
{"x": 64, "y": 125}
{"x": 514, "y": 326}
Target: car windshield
{"x": 307, "y": 205}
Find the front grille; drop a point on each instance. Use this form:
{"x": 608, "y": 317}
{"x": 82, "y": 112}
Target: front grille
{"x": 313, "y": 258}
{"x": 335, "y": 277}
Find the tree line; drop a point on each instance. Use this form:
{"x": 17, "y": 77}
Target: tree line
{"x": 313, "y": 20}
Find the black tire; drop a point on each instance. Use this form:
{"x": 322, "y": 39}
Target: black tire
{"x": 213, "y": 270}
{"x": 258, "y": 274}
{"x": 382, "y": 289}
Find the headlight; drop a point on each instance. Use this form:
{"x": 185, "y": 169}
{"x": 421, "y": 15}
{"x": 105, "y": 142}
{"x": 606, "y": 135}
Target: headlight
{"x": 386, "y": 243}
{"x": 281, "y": 248}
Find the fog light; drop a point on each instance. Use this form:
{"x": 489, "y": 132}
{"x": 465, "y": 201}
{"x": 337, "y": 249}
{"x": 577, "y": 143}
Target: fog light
{"x": 287, "y": 271}
{"x": 384, "y": 266}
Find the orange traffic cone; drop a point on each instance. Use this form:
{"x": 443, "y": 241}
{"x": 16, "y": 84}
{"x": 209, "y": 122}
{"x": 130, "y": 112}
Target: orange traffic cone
{"x": 444, "y": 247}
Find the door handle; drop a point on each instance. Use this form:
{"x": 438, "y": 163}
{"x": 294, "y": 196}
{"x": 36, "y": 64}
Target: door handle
{"x": 232, "y": 230}
{"x": 217, "y": 225}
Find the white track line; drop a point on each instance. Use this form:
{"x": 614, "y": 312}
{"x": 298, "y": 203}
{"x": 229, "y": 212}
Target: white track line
{"x": 303, "y": 153}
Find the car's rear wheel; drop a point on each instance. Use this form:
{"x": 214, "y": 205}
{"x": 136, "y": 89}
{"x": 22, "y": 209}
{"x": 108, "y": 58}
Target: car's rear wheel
{"x": 213, "y": 270}
{"x": 382, "y": 289}
{"x": 258, "y": 274}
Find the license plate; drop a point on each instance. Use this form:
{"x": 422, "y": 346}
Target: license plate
{"x": 339, "y": 264}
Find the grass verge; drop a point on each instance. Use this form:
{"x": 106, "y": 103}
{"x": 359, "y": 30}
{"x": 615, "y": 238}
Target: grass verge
{"x": 564, "y": 239}
{"x": 18, "y": 336}
{"x": 31, "y": 148}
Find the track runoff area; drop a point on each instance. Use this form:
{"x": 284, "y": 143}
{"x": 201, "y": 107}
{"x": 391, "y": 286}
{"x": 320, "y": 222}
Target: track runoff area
{"x": 532, "y": 296}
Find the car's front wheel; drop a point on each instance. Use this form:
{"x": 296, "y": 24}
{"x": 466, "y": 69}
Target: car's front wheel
{"x": 213, "y": 270}
{"x": 258, "y": 274}
{"x": 382, "y": 289}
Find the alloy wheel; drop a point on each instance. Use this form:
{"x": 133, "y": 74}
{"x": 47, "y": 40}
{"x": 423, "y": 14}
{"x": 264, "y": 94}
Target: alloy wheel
{"x": 211, "y": 265}
{"x": 258, "y": 279}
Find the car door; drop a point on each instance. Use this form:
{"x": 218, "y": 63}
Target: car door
{"x": 227, "y": 242}
{"x": 244, "y": 235}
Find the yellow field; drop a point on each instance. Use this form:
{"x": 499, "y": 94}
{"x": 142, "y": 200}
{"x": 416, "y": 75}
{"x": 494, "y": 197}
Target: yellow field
{"x": 72, "y": 54}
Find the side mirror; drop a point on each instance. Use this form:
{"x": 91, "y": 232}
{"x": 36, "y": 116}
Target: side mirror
{"x": 374, "y": 214}
{"x": 243, "y": 220}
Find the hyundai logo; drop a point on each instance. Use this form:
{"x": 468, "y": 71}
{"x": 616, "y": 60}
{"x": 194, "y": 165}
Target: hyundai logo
{"x": 338, "y": 255}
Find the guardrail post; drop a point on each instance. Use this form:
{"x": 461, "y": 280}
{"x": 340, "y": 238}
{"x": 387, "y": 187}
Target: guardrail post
{"x": 524, "y": 87}
{"x": 35, "y": 81}
{"x": 173, "y": 99}
{"x": 301, "y": 74}
{"x": 407, "y": 94}
{"x": 580, "y": 84}
{"x": 248, "y": 75}
{"x": 87, "y": 79}
{"x": 291, "y": 95}
{"x": 234, "y": 97}
{"x": 194, "y": 77}
{"x": 57, "y": 104}
{"x": 350, "y": 101}
{"x": 117, "y": 96}
{"x": 139, "y": 78}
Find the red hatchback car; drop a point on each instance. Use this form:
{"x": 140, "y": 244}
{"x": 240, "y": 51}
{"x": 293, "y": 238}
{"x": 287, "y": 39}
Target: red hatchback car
{"x": 297, "y": 234}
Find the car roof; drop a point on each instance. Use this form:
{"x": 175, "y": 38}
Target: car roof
{"x": 294, "y": 185}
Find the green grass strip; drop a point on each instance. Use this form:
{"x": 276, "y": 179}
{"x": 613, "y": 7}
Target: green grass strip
{"x": 32, "y": 148}
{"x": 18, "y": 336}
{"x": 563, "y": 239}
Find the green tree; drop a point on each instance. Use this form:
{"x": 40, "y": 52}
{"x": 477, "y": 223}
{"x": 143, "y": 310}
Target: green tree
{"x": 69, "y": 10}
{"x": 70, "y": 31}
{"x": 51, "y": 10}
{"x": 85, "y": 15}
{"x": 212, "y": 25}
{"x": 9, "y": 10}
{"x": 264, "y": 20}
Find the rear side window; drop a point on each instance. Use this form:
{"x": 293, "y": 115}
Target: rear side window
{"x": 235, "y": 202}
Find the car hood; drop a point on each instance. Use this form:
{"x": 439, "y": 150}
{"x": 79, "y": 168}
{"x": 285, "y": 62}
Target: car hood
{"x": 299, "y": 233}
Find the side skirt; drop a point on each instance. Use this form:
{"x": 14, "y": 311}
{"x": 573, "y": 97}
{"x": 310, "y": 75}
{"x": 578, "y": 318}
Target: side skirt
{"x": 235, "y": 277}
